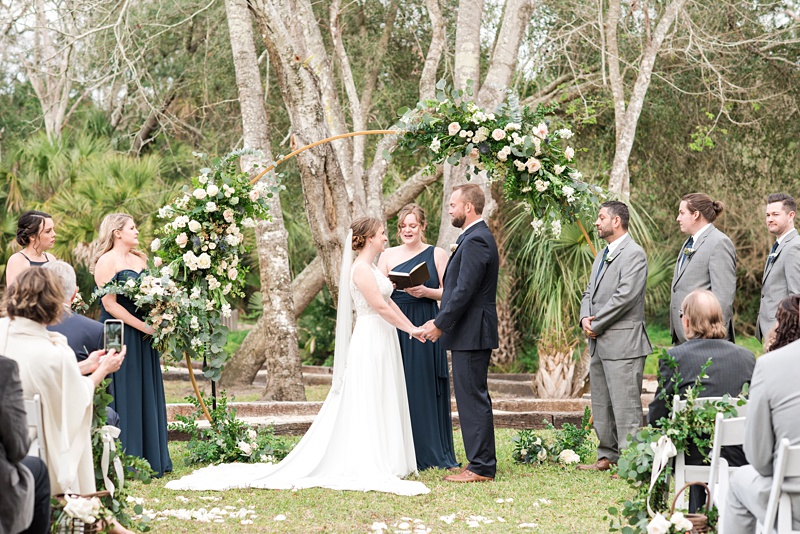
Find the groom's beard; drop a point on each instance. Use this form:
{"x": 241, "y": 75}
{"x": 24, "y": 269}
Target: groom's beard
{"x": 458, "y": 220}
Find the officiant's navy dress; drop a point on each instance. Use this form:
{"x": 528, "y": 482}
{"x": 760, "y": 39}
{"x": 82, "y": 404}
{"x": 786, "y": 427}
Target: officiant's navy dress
{"x": 427, "y": 377}
{"x": 138, "y": 390}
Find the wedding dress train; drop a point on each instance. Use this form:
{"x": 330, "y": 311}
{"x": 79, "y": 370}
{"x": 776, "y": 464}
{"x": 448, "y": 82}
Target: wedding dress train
{"x": 361, "y": 439}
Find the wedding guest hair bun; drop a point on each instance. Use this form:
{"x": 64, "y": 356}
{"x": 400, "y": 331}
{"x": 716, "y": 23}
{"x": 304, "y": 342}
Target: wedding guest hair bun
{"x": 29, "y": 225}
{"x": 363, "y": 228}
{"x": 718, "y": 206}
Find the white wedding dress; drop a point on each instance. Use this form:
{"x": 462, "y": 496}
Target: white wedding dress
{"x": 361, "y": 439}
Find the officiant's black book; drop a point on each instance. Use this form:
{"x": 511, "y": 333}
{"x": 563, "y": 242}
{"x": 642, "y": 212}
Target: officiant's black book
{"x": 417, "y": 276}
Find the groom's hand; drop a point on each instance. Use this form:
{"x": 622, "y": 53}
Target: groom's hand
{"x": 430, "y": 331}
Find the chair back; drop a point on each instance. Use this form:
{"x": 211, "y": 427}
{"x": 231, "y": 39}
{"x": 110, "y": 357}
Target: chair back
{"x": 692, "y": 473}
{"x": 727, "y": 432}
{"x": 787, "y": 465}
{"x": 33, "y": 408}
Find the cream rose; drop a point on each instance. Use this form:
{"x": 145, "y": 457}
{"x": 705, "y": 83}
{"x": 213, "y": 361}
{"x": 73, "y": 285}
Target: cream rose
{"x": 453, "y": 128}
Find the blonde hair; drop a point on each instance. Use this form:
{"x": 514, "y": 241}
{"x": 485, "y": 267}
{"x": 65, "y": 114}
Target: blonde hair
{"x": 112, "y": 222}
{"x": 415, "y": 210}
{"x": 36, "y": 294}
{"x": 363, "y": 229}
{"x": 704, "y": 315}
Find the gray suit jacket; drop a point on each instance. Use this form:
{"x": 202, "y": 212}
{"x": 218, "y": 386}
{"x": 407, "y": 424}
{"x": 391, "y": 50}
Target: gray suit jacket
{"x": 781, "y": 278}
{"x": 16, "y": 481}
{"x": 773, "y": 410}
{"x": 712, "y": 266}
{"x": 616, "y": 299}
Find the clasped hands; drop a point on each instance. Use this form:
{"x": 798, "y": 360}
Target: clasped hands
{"x": 426, "y": 332}
{"x": 586, "y": 325}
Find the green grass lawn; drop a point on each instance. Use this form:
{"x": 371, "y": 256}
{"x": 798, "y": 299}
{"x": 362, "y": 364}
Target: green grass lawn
{"x": 556, "y": 499}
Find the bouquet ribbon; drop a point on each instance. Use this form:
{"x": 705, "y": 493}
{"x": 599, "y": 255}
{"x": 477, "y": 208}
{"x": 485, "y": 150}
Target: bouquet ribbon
{"x": 109, "y": 434}
{"x": 663, "y": 450}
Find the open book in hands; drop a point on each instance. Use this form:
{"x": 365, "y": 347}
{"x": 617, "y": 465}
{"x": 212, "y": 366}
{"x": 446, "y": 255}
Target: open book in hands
{"x": 417, "y": 276}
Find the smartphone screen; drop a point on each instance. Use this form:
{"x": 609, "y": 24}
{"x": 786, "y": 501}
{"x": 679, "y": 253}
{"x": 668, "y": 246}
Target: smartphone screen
{"x": 112, "y": 329}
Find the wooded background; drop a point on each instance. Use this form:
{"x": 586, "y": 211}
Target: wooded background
{"x": 104, "y": 104}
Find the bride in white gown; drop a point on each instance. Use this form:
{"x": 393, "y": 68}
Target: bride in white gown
{"x": 361, "y": 439}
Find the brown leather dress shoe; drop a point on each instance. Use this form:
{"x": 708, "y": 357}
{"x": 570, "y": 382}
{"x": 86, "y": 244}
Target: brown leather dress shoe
{"x": 468, "y": 476}
{"x": 456, "y": 469}
{"x": 602, "y": 464}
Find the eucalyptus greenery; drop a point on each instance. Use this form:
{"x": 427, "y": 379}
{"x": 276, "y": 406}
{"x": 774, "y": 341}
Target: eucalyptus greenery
{"x": 693, "y": 425}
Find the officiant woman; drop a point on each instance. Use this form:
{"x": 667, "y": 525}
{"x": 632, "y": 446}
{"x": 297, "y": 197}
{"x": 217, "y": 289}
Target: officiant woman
{"x": 425, "y": 364}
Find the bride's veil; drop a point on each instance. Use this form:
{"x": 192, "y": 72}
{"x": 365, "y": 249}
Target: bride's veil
{"x": 344, "y": 316}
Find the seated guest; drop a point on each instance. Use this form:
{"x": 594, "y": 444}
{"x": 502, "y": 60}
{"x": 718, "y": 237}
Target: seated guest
{"x": 25, "y": 499}
{"x": 84, "y": 335}
{"x": 47, "y": 366}
{"x": 731, "y": 368}
{"x": 773, "y": 412}
{"x": 787, "y": 326}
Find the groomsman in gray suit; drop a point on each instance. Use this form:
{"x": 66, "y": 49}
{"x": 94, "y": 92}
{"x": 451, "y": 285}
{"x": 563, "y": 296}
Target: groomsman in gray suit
{"x": 772, "y": 414}
{"x": 707, "y": 260}
{"x": 612, "y": 316}
{"x": 782, "y": 271}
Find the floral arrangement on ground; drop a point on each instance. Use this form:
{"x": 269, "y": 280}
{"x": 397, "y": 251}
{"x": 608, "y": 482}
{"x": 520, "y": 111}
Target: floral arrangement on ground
{"x": 197, "y": 265}
{"x": 514, "y": 145}
{"x": 568, "y": 445}
{"x": 228, "y": 439}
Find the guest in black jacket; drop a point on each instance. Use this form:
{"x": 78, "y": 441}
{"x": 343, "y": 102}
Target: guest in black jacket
{"x": 24, "y": 480}
{"x": 731, "y": 368}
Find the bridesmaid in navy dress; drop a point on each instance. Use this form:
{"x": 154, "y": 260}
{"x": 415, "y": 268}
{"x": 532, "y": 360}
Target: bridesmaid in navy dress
{"x": 425, "y": 364}
{"x": 138, "y": 386}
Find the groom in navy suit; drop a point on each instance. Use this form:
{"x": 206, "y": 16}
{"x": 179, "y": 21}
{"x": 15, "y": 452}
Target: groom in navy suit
{"x": 467, "y": 324}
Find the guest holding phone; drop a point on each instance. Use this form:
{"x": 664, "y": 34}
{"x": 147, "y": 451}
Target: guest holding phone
{"x": 36, "y": 233}
{"x": 47, "y": 368}
{"x": 138, "y": 385}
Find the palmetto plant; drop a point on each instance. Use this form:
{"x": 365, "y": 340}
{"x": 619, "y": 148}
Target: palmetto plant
{"x": 553, "y": 275}
{"x": 78, "y": 179}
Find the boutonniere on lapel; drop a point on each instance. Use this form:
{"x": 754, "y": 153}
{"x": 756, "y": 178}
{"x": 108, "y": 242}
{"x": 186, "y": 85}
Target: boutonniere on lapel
{"x": 453, "y": 247}
{"x": 609, "y": 259}
{"x": 688, "y": 251}
{"x": 772, "y": 257}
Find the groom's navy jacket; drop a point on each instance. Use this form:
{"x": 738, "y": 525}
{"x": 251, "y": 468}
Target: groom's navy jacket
{"x": 468, "y": 314}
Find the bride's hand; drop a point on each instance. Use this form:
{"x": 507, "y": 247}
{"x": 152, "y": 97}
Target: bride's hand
{"x": 417, "y": 334}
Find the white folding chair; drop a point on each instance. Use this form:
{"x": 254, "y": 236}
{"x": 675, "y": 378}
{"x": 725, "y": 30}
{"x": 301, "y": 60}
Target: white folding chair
{"x": 692, "y": 473}
{"x": 787, "y": 465}
{"x": 727, "y": 432}
{"x": 33, "y": 408}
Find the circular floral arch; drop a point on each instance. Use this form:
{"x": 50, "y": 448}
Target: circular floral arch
{"x": 197, "y": 255}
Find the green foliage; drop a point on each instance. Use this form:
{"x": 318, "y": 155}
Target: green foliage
{"x": 228, "y": 439}
{"x": 135, "y": 468}
{"x": 574, "y": 438}
{"x": 529, "y": 448}
{"x": 316, "y": 330}
{"x": 693, "y": 425}
{"x": 533, "y": 448}
{"x": 515, "y": 146}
